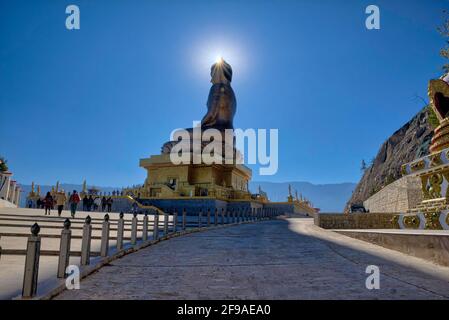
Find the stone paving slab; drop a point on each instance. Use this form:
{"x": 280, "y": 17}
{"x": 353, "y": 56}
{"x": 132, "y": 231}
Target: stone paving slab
{"x": 281, "y": 259}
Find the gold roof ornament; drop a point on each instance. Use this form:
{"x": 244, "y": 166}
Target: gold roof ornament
{"x": 439, "y": 100}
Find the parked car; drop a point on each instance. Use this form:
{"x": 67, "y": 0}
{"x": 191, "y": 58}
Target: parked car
{"x": 357, "y": 208}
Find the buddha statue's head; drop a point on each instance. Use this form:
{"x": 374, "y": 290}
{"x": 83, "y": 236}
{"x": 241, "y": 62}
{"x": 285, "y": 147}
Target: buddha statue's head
{"x": 221, "y": 72}
{"x": 439, "y": 101}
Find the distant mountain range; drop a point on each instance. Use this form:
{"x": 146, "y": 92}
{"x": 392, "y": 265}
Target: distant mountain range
{"x": 327, "y": 197}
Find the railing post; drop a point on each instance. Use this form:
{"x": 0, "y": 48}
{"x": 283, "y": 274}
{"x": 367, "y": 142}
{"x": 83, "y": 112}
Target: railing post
{"x": 104, "y": 247}
{"x": 120, "y": 229}
{"x": 239, "y": 215}
{"x": 216, "y": 217}
{"x": 222, "y": 216}
{"x": 85, "y": 244}
{"x": 145, "y": 227}
{"x": 165, "y": 223}
{"x": 245, "y": 214}
{"x": 175, "y": 220}
{"x": 208, "y": 217}
{"x": 156, "y": 226}
{"x": 228, "y": 216}
{"x": 134, "y": 229}
{"x": 200, "y": 217}
{"x": 233, "y": 215}
{"x": 253, "y": 214}
{"x": 184, "y": 219}
{"x": 64, "y": 249}
{"x": 31, "y": 272}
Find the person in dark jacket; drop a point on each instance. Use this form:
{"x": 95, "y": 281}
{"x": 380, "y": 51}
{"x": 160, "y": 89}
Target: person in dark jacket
{"x": 103, "y": 204}
{"x": 109, "y": 203}
{"x": 48, "y": 203}
{"x": 85, "y": 203}
{"x": 90, "y": 203}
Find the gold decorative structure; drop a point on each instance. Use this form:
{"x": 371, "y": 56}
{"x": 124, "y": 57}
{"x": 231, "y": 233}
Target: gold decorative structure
{"x": 433, "y": 169}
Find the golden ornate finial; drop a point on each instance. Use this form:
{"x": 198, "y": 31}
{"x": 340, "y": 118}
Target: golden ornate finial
{"x": 38, "y": 190}
{"x": 57, "y": 186}
{"x": 296, "y": 195}
{"x": 32, "y": 187}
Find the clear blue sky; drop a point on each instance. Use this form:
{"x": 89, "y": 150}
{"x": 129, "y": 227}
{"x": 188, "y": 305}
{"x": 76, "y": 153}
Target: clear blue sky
{"x": 90, "y": 103}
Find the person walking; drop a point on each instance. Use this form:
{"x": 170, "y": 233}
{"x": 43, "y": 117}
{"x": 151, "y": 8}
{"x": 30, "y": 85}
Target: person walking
{"x": 61, "y": 199}
{"x": 85, "y": 202}
{"x": 97, "y": 203}
{"x": 74, "y": 200}
{"x": 90, "y": 203}
{"x": 109, "y": 203}
{"x": 103, "y": 204}
{"x": 48, "y": 203}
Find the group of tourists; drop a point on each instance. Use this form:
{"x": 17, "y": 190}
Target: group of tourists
{"x": 59, "y": 199}
{"x": 95, "y": 204}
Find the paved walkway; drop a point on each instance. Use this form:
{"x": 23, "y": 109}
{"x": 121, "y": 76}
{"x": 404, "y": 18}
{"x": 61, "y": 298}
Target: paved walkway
{"x": 283, "y": 259}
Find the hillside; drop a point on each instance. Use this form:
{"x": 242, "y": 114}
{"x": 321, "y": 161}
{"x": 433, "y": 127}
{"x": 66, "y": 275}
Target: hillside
{"x": 410, "y": 142}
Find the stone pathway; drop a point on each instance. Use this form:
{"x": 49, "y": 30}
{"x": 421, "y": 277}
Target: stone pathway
{"x": 282, "y": 259}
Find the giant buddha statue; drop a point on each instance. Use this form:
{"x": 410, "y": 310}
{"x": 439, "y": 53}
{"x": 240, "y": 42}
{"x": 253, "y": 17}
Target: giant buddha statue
{"x": 221, "y": 103}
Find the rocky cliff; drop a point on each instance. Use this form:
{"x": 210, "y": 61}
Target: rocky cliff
{"x": 408, "y": 143}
